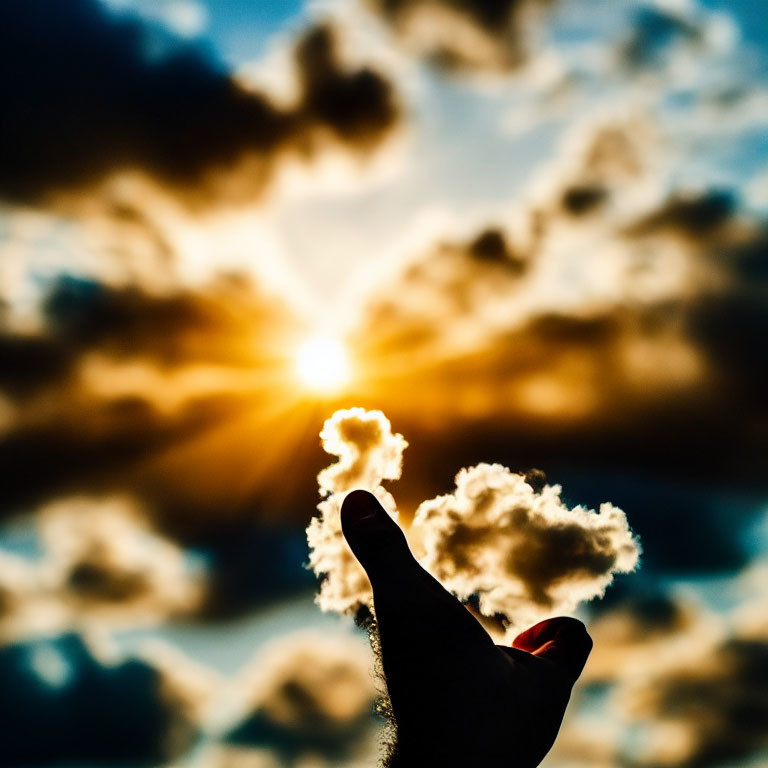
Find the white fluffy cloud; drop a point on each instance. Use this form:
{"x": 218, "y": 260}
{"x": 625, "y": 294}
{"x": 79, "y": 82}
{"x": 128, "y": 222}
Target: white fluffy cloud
{"x": 708, "y": 708}
{"x": 101, "y": 560}
{"x": 311, "y": 678}
{"x": 103, "y": 555}
{"x": 368, "y": 453}
{"x": 307, "y": 696}
{"x": 521, "y": 551}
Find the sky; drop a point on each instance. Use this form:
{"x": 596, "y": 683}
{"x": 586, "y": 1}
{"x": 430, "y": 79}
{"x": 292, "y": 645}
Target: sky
{"x": 531, "y": 233}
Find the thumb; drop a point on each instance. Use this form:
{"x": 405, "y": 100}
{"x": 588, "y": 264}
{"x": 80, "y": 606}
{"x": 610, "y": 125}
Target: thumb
{"x": 374, "y": 537}
{"x": 405, "y": 595}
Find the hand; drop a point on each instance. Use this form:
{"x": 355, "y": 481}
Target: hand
{"x": 458, "y": 699}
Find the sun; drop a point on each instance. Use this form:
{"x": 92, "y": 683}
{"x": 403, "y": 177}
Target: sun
{"x": 322, "y": 364}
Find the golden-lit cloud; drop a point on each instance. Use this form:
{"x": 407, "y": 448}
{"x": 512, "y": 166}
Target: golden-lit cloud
{"x": 707, "y": 708}
{"x": 106, "y": 557}
{"x": 102, "y": 562}
{"x": 369, "y": 453}
{"x": 644, "y": 632}
{"x": 308, "y": 693}
{"x": 367, "y": 449}
{"x": 118, "y": 376}
{"x": 602, "y": 303}
{"x": 678, "y": 686}
{"x": 520, "y": 551}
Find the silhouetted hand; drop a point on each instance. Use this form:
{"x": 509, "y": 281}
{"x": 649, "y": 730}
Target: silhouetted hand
{"x": 457, "y": 698}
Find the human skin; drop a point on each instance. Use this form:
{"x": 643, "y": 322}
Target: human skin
{"x": 457, "y": 698}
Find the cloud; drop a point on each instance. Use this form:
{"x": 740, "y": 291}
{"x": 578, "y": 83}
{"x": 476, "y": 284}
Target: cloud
{"x": 225, "y": 322}
{"x": 707, "y": 709}
{"x": 222, "y": 323}
{"x": 655, "y": 31}
{"x": 623, "y": 302}
{"x": 486, "y": 35}
{"x": 59, "y": 454}
{"x": 117, "y": 377}
{"x": 691, "y": 215}
{"x": 567, "y": 334}
{"x": 522, "y": 552}
{"x": 308, "y": 694}
{"x": 552, "y": 338}
{"x": 186, "y": 18}
{"x": 518, "y": 549}
{"x": 60, "y": 701}
{"x": 672, "y": 683}
{"x": 644, "y": 631}
{"x": 101, "y": 561}
{"x": 19, "y": 579}
{"x": 444, "y": 297}
{"x": 505, "y": 36}
{"x": 112, "y": 95}
{"x": 751, "y": 613}
{"x": 369, "y": 452}
{"x": 636, "y": 316}
{"x": 106, "y": 557}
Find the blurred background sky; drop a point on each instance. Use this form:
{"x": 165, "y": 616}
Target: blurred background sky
{"x": 532, "y": 232}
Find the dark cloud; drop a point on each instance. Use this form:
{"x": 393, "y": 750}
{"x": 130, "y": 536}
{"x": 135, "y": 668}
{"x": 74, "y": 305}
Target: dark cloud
{"x": 503, "y": 35}
{"x": 492, "y": 246}
{"x": 61, "y": 704}
{"x": 487, "y": 34}
{"x": 647, "y": 393}
{"x": 72, "y": 453}
{"x": 87, "y": 93}
{"x": 229, "y": 322}
{"x": 656, "y": 30}
{"x": 419, "y": 308}
{"x": 649, "y": 611}
{"x": 30, "y": 361}
{"x": 648, "y": 350}
{"x": 584, "y": 199}
{"x": 695, "y": 215}
{"x": 79, "y": 429}
{"x": 731, "y": 325}
{"x": 357, "y": 108}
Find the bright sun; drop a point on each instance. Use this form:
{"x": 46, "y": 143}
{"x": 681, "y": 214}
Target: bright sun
{"x": 322, "y": 364}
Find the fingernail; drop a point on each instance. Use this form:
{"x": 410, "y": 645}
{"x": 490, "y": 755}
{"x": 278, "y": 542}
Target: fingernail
{"x": 359, "y": 506}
